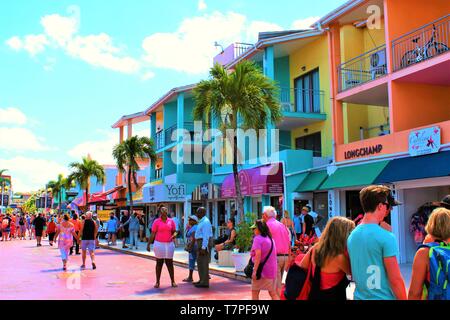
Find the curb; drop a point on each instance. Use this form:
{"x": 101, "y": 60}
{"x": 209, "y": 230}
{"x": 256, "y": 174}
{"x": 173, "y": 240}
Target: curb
{"x": 213, "y": 271}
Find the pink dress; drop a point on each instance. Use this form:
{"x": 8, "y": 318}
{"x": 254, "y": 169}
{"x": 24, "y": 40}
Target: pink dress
{"x": 65, "y": 238}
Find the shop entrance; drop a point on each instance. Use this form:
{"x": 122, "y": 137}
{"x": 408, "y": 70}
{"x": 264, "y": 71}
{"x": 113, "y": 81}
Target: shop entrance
{"x": 321, "y": 208}
{"x": 277, "y": 203}
{"x": 353, "y": 207}
{"x": 298, "y": 205}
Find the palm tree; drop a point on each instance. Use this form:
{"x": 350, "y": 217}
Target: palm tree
{"x": 3, "y": 182}
{"x": 245, "y": 93}
{"x": 127, "y": 153}
{"x": 82, "y": 173}
{"x": 60, "y": 185}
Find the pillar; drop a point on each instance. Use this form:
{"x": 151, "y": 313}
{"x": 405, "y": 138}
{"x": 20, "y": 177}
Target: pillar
{"x": 269, "y": 71}
{"x": 130, "y": 129}
{"x": 180, "y": 135}
{"x": 247, "y": 205}
{"x": 153, "y": 137}
{"x": 399, "y": 223}
{"x": 120, "y": 174}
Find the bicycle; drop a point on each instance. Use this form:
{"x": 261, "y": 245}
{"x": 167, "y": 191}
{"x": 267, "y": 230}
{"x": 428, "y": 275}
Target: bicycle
{"x": 429, "y": 50}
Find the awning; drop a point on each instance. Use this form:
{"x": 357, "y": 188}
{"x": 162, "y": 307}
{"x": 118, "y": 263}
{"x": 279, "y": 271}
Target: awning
{"x": 313, "y": 181}
{"x": 353, "y": 176}
{"x": 103, "y": 196}
{"x": 413, "y": 168}
{"x": 267, "y": 179}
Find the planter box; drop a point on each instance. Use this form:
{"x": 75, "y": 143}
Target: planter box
{"x": 240, "y": 260}
{"x": 225, "y": 259}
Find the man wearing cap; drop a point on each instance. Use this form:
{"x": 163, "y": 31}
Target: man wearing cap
{"x": 203, "y": 237}
{"x": 445, "y": 203}
{"x": 373, "y": 250}
{"x": 280, "y": 235}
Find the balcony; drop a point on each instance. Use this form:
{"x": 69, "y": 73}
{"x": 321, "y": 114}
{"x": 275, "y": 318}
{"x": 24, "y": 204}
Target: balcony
{"x": 232, "y": 52}
{"x": 364, "y": 68}
{"x": 159, "y": 140}
{"x": 422, "y": 44}
{"x": 301, "y": 107}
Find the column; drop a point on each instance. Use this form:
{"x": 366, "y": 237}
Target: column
{"x": 130, "y": 129}
{"x": 269, "y": 71}
{"x": 153, "y": 137}
{"x": 120, "y": 174}
{"x": 247, "y": 205}
{"x": 333, "y": 204}
{"x": 398, "y": 225}
{"x": 216, "y": 217}
{"x": 180, "y": 135}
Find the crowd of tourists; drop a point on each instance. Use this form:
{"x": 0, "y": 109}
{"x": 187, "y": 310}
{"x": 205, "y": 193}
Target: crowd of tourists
{"x": 365, "y": 254}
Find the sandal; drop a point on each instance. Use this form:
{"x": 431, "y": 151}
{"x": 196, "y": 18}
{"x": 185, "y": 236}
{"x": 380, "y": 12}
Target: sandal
{"x": 174, "y": 285}
{"x": 188, "y": 280}
{"x": 156, "y": 286}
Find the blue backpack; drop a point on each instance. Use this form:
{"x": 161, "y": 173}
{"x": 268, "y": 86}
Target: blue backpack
{"x": 439, "y": 271}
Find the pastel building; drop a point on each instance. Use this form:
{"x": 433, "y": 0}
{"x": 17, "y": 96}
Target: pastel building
{"x": 390, "y": 80}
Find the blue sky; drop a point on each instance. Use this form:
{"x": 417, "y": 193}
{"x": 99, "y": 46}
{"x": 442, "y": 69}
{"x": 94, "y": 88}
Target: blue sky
{"x": 70, "y": 69}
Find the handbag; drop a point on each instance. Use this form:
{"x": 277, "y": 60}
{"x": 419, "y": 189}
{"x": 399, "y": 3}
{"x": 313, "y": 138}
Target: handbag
{"x": 298, "y": 282}
{"x": 250, "y": 266}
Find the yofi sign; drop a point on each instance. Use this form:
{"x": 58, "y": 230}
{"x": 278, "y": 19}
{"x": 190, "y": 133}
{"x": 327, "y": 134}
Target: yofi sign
{"x": 164, "y": 193}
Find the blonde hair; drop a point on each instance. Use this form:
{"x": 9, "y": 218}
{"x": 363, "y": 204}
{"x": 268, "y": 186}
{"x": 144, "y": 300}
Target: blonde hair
{"x": 438, "y": 225}
{"x": 333, "y": 241}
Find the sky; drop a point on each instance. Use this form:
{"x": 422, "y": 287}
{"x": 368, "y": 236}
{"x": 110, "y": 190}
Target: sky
{"x": 70, "y": 69}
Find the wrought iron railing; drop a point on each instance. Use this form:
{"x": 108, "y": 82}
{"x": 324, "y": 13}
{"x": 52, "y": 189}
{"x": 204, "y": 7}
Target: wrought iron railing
{"x": 241, "y": 48}
{"x": 197, "y": 136}
{"x": 301, "y": 100}
{"x": 158, "y": 173}
{"x": 168, "y": 133}
{"x": 421, "y": 44}
{"x": 366, "y": 67}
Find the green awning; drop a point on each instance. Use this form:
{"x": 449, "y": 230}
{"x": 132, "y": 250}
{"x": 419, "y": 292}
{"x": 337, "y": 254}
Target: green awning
{"x": 312, "y": 181}
{"x": 353, "y": 176}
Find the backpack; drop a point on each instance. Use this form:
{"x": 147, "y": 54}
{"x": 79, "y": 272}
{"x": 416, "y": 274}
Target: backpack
{"x": 439, "y": 288}
{"x": 5, "y": 223}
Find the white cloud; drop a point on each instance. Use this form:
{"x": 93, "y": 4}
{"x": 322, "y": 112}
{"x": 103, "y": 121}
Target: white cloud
{"x": 12, "y": 116}
{"x": 20, "y": 139}
{"x": 62, "y": 32}
{"x": 304, "y": 23}
{"x": 99, "y": 150}
{"x": 202, "y": 5}
{"x": 15, "y": 43}
{"x": 30, "y": 174}
{"x": 191, "y": 47}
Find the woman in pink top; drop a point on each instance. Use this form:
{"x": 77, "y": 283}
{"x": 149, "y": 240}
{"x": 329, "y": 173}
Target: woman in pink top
{"x": 162, "y": 238}
{"x": 330, "y": 261}
{"x": 65, "y": 233}
{"x": 264, "y": 252}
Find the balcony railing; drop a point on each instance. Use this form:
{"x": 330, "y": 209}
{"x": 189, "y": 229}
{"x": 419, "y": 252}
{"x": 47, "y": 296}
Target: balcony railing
{"x": 241, "y": 48}
{"x": 232, "y": 52}
{"x": 194, "y": 135}
{"x": 421, "y": 44}
{"x": 159, "y": 140}
{"x": 158, "y": 173}
{"x": 302, "y": 101}
{"x": 362, "y": 69}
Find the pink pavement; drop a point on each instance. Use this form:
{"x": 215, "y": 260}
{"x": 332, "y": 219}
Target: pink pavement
{"x": 32, "y": 273}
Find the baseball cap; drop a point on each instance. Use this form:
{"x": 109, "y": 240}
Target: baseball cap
{"x": 392, "y": 202}
{"x": 195, "y": 218}
{"x": 446, "y": 202}
{"x": 253, "y": 226}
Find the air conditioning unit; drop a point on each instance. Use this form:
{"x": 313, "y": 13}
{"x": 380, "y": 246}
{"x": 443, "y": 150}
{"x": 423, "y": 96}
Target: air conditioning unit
{"x": 378, "y": 65}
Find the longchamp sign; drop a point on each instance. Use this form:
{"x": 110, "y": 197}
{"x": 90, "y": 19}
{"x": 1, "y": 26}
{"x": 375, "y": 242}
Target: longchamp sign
{"x": 164, "y": 193}
{"x": 363, "y": 152}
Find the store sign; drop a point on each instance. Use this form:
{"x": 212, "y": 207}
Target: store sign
{"x": 363, "y": 152}
{"x": 425, "y": 141}
{"x": 164, "y": 193}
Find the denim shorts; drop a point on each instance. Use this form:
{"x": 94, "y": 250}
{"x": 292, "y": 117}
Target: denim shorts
{"x": 88, "y": 245}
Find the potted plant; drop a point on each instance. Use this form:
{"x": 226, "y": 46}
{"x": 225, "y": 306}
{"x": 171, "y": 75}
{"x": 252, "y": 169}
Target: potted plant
{"x": 244, "y": 240}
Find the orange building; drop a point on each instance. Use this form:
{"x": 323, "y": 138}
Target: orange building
{"x": 390, "y": 92}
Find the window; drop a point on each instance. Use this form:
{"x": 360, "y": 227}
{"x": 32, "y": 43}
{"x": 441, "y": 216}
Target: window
{"x": 307, "y": 92}
{"x": 311, "y": 142}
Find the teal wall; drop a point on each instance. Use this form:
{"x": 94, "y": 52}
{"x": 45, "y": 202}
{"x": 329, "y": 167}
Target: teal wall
{"x": 188, "y": 109}
{"x": 285, "y": 140}
{"x": 168, "y": 165}
{"x": 170, "y": 114}
{"x": 282, "y": 72}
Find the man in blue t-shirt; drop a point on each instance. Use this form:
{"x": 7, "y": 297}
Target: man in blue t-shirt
{"x": 373, "y": 250}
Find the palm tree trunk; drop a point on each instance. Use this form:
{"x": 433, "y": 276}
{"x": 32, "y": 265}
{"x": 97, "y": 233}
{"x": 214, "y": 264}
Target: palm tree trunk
{"x": 60, "y": 201}
{"x": 130, "y": 193}
{"x": 87, "y": 198}
{"x": 237, "y": 182}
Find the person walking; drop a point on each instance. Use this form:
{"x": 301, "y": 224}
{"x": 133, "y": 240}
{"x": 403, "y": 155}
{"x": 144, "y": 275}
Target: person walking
{"x": 373, "y": 251}
{"x": 111, "y": 229}
{"x": 51, "y": 230}
{"x": 29, "y": 226}
{"x": 264, "y": 257}
{"x": 191, "y": 246}
{"x": 98, "y": 223}
{"x": 88, "y": 234}
{"x": 204, "y": 239}
{"x": 329, "y": 262}
{"x": 124, "y": 228}
{"x": 133, "y": 227}
{"x": 39, "y": 224}
{"x": 141, "y": 228}
{"x": 6, "y": 227}
{"x": 77, "y": 225}
{"x": 65, "y": 234}
{"x": 162, "y": 238}
{"x": 23, "y": 227}
{"x": 427, "y": 283}
{"x": 280, "y": 235}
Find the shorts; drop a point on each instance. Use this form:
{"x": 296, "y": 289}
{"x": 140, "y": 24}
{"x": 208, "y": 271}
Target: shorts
{"x": 23, "y": 228}
{"x": 6, "y": 230}
{"x": 39, "y": 233}
{"x": 264, "y": 284}
{"x": 88, "y": 245}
